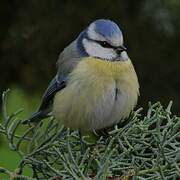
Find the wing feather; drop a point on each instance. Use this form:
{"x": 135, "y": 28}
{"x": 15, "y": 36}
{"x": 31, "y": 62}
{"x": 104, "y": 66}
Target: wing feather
{"x": 57, "y": 83}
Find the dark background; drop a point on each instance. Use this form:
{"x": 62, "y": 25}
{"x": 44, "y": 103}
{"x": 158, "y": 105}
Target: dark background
{"x": 34, "y": 32}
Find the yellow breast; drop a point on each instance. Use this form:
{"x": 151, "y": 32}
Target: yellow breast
{"x": 98, "y": 94}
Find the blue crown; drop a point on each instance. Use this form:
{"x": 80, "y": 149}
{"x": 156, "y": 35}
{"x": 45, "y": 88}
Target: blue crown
{"x": 104, "y": 27}
{"x": 107, "y": 28}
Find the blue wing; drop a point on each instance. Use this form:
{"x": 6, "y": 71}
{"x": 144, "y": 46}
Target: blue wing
{"x": 57, "y": 83}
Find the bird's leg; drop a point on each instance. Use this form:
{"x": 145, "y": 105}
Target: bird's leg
{"x": 102, "y": 132}
{"x": 82, "y": 145}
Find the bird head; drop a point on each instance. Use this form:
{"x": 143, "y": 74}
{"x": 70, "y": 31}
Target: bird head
{"x": 102, "y": 39}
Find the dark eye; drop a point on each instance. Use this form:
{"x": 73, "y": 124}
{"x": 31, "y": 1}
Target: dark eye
{"x": 105, "y": 44}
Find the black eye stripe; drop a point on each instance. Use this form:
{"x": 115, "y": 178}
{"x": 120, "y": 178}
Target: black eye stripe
{"x": 104, "y": 44}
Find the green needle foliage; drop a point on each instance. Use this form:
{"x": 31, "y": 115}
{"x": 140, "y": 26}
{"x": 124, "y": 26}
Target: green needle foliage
{"x": 144, "y": 148}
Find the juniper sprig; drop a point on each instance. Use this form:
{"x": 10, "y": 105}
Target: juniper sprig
{"x": 145, "y": 148}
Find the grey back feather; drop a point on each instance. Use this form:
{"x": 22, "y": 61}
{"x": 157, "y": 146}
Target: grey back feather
{"x": 68, "y": 59}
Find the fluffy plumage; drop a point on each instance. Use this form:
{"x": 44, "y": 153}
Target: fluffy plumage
{"x": 96, "y": 85}
{"x": 98, "y": 94}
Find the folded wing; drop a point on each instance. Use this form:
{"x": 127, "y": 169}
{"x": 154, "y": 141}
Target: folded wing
{"x": 45, "y": 108}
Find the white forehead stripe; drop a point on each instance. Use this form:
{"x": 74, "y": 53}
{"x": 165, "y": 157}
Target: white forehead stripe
{"x": 93, "y": 35}
{"x": 116, "y": 41}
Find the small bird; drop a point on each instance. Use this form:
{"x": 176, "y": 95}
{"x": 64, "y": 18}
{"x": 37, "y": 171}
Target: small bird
{"x": 96, "y": 85}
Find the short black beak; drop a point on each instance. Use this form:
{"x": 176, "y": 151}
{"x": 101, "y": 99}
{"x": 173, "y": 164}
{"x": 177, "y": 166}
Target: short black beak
{"x": 121, "y": 48}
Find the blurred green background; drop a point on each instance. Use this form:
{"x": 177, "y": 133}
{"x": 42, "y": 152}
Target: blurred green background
{"x": 33, "y": 33}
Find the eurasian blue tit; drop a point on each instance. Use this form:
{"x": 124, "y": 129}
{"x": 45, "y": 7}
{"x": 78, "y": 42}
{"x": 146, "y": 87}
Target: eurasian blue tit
{"x": 96, "y": 85}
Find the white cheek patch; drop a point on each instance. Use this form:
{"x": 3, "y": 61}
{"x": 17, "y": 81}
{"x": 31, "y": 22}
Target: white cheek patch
{"x": 124, "y": 56}
{"x": 96, "y": 50}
